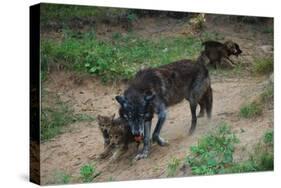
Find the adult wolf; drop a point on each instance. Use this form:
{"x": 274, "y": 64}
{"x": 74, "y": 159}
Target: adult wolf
{"x": 154, "y": 89}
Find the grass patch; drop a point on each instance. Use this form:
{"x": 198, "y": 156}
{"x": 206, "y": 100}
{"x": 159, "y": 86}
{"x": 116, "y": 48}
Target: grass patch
{"x": 120, "y": 58}
{"x": 173, "y": 167}
{"x": 263, "y": 66}
{"x": 250, "y": 110}
{"x": 261, "y": 159}
{"x": 88, "y": 173}
{"x": 56, "y": 116}
{"x": 213, "y": 153}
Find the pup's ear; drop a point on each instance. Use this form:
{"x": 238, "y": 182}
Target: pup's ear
{"x": 121, "y": 100}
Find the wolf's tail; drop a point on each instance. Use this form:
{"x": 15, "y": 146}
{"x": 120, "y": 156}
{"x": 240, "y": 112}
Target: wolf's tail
{"x": 209, "y": 102}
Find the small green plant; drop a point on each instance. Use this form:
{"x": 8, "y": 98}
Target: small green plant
{"x": 213, "y": 153}
{"x": 250, "y": 110}
{"x": 263, "y": 65}
{"x": 172, "y": 167}
{"x": 88, "y": 173}
{"x": 268, "y": 137}
{"x": 62, "y": 178}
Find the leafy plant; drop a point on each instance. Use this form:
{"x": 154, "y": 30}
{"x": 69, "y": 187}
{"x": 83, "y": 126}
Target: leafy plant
{"x": 213, "y": 153}
{"x": 88, "y": 173}
{"x": 62, "y": 178}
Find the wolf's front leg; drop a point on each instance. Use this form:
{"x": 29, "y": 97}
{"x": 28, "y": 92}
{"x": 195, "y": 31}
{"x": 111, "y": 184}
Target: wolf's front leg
{"x": 161, "y": 119}
{"x": 146, "y": 141}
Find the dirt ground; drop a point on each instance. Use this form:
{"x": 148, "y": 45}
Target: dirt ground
{"x": 81, "y": 142}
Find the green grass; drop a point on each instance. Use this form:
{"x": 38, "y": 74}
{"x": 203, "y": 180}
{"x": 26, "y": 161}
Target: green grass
{"x": 263, "y": 66}
{"x": 213, "y": 153}
{"x": 173, "y": 167}
{"x": 118, "y": 59}
{"x": 250, "y": 110}
{"x": 268, "y": 93}
{"x": 56, "y": 116}
{"x": 88, "y": 173}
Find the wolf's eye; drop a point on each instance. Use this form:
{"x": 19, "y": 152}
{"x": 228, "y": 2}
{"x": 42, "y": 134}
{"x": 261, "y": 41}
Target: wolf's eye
{"x": 116, "y": 137}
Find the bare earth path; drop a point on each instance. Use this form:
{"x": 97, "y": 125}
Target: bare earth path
{"x": 82, "y": 141}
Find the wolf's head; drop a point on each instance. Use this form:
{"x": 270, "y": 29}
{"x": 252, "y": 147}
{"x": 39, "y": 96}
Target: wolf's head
{"x": 136, "y": 110}
{"x": 233, "y": 48}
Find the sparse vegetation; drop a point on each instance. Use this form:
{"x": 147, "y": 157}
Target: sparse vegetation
{"x": 213, "y": 153}
{"x": 54, "y": 117}
{"x": 173, "y": 167}
{"x": 263, "y": 65}
{"x": 250, "y": 110}
{"x": 88, "y": 173}
{"x": 62, "y": 178}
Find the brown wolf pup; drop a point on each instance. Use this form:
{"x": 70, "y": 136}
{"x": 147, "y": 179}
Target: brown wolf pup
{"x": 105, "y": 123}
{"x": 154, "y": 89}
{"x": 216, "y": 52}
{"x": 118, "y": 137}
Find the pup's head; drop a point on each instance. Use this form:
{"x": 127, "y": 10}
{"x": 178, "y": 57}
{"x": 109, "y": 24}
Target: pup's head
{"x": 232, "y": 48}
{"x": 105, "y": 122}
{"x": 136, "y": 110}
{"x": 116, "y": 135}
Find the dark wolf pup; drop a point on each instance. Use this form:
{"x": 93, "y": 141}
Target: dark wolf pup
{"x": 216, "y": 51}
{"x": 154, "y": 89}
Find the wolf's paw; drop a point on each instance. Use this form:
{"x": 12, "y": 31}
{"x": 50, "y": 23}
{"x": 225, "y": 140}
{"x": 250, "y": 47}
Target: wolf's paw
{"x": 142, "y": 155}
{"x": 160, "y": 141}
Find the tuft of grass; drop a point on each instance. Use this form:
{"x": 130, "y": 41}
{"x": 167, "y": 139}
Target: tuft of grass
{"x": 268, "y": 137}
{"x": 268, "y": 93}
{"x": 250, "y": 110}
{"x": 88, "y": 173}
{"x": 263, "y": 66}
{"x": 213, "y": 153}
{"x": 173, "y": 166}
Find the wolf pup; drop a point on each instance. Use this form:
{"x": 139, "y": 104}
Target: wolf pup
{"x": 117, "y": 137}
{"x": 216, "y": 51}
{"x": 154, "y": 89}
{"x": 105, "y": 123}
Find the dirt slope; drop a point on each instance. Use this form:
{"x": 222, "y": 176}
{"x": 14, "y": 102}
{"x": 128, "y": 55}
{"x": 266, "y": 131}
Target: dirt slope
{"x": 79, "y": 145}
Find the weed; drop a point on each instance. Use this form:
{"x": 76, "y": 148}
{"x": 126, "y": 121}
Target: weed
{"x": 250, "y": 110}
{"x": 268, "y": 137}
{"x": 88, "y": 173}
{"x": 213, "y": 153}
{"x": 263, "y": 65}
{"x": 172, "y": 167}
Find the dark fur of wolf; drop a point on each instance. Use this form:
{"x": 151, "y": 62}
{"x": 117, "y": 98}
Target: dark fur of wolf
{"x": 117, "y": 136}
{"x": 154, "y": 89}
{"x": 217, "y": 51}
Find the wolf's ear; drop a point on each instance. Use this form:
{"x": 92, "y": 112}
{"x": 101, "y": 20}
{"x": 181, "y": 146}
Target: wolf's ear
{"x": 121, "y": 100}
